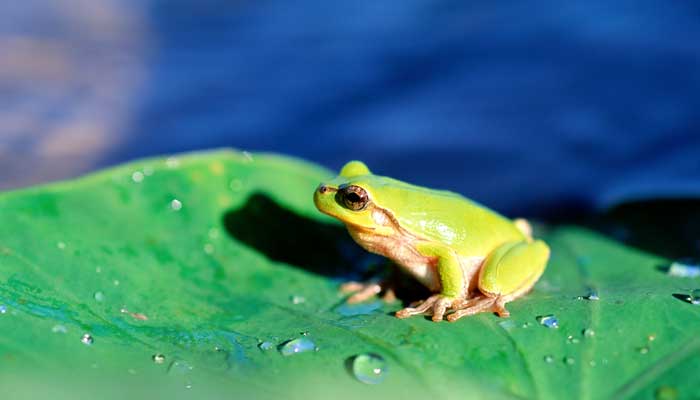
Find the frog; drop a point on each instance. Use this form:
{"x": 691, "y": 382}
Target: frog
{"x": 471, "y": 259}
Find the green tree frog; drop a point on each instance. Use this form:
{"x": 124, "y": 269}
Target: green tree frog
{"x": 471, "y": 258}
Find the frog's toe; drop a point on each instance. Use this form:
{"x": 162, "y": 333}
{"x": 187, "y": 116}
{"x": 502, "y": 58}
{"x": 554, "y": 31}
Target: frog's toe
{"x": 366, "y": 291}
{"x": 479, "y": 305}
{"x": 440, "y": 307}
{"x": 351, "y": 287}
{"x": 422, "y": 308}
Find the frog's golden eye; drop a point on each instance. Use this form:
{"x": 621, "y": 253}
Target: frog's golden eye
{"x": 353, "y": 197}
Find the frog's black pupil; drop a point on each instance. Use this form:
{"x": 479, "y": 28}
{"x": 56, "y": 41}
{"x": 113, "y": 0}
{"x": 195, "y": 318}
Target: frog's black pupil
{"x": 354, "y": 198}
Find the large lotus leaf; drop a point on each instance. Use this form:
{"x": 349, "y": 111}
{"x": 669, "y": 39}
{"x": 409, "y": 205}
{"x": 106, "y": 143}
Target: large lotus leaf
{"x": 201, "y": 258}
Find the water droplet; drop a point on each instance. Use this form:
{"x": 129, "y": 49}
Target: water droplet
{"x": 527, "y": 324}
{"x": 548, "y": 358}
{"x": 176, "y": 205}
{"x": 591, "y": 296}
{"x": 137, "y": 177}
{"x": 297, "y": 299}
{"x": 3, "y": 309}
{"x": 87, "y": 339}
{"x": 172, "y": 162}
{"x": 569, "y": 360}
{"x": 98, "y": 269}
{"x": 235, "y": 185}
{"x": 694, "y": 297}
{"x": 588, "y": 333}
{"x": 116, "y": 282}
{"x": 643, "y": 350}
{"x": 299, "y": 345}
{"x": 265, "y": 345}
{"x": 209, "y": 248}
{"x": 59, "y": 329}
{"x": 369, "y": 368}
{"x": 214, "y": 233}
{"x": 572, "y": 340}
{"x": 592, "y": 363}
{"x": 651, "y": 337}
{"x": 684, "y": 268}
{"x": 148, "y": 171}
{"x": 666, "y": 393}
{"x": 550, "y": 321}
{"x": 188, "y": 386}
{"x": 158, "y": 358}
{"x": 99, "y": 296}
{"x": 61, "y": 245}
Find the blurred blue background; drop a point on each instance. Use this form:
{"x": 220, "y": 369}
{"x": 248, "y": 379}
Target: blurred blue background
{"x": 545, "y": 109}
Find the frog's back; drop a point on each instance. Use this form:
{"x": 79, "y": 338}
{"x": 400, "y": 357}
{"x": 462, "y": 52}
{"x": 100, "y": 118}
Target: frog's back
{"x": 446, "y": 217}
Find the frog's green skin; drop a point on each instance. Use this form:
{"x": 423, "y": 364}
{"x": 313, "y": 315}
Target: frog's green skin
{"x": 472, "y": 258}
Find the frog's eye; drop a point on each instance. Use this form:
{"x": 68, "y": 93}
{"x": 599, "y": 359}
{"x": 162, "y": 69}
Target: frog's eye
{"x": 353, "y": 197}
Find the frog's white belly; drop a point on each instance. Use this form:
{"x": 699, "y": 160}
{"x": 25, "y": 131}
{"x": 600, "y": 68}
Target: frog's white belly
{"x": 402, "y": 251}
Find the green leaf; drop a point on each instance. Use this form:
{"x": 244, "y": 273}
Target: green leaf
{"x": 203, "y": 257}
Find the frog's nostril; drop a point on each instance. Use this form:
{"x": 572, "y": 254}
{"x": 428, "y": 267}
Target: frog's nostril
{"x": 322, "y": 189}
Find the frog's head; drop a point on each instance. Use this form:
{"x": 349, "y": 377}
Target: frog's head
{"x": 350, "y": 198}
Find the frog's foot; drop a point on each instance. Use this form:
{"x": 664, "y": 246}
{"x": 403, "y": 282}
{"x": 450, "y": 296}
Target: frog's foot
{"x": 478, "y": 305}
{"x": 524, "y": 226}
{"x": 435, "y": 305}
{"x": 363, "y": 291}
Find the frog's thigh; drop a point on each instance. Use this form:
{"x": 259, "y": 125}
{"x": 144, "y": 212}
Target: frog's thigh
{"x": 512, "y": 269}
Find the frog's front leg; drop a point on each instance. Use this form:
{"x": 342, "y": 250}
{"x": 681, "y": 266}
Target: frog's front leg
{"x": 361, "y": 291}
{"x": 453, "y": 287}
{"x": 510, "y": 271}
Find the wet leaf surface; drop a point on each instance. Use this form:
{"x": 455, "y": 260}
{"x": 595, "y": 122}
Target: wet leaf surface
{"x": 192, "y": 276}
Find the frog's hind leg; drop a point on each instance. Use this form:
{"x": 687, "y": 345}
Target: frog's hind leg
{"x": 508, "y": 272}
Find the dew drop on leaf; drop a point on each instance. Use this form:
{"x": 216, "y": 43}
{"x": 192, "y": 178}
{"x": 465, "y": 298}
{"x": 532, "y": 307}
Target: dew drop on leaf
{"x": 158, "y": 358}
{"x": 550, "y": 321}
{"x": 684, "y": 268}
{"x": 368, "y": 368}
{"x": 295, "y": 346}
{"x": 265, "y": 345}
{"x": 87, "y": 339}
{"x": 694, "y": 297}
{"x": 176, "y": 205}
{"x": 137, "y": 177}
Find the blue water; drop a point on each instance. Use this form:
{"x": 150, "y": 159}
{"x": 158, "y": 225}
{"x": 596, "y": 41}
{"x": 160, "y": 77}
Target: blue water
{"x": 535, "y": 109}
